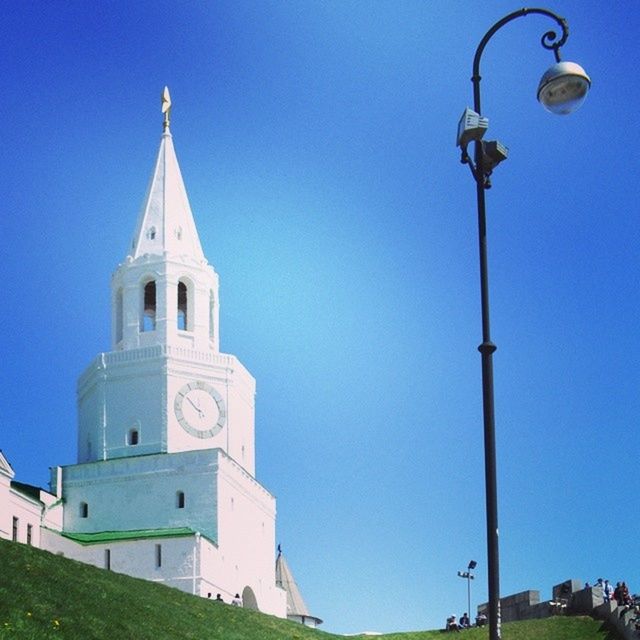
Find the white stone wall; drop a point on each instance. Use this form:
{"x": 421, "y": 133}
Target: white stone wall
{"x": 237, "y": 388}
{"x": 52, "y": 511}
{"x": 118, "y": 392}
{"x": 28, "y": 512}
{"x": 175, "y": 565}
{"x": 141, "y": 493}
{"x": 136, "y": 389}
{"x": 5, "y": 504}
{"x": 247, "y": 536}
{"x": 192, "y": 564}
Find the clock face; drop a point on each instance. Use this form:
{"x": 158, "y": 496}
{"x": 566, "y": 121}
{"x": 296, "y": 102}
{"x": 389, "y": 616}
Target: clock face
{"x": 200, "y": 409}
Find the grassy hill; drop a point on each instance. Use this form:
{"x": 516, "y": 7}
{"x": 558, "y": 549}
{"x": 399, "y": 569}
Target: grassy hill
{"x": 43, "y": 597}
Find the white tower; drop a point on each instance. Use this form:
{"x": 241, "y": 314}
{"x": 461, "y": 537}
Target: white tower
{"x": 165, "y": 486}
{"x": 165, "y": 387}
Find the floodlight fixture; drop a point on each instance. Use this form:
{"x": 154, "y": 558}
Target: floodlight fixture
{"x": 563, "y": 88}
{"x": 493, "y": 153}
{"x": 472, "y": 126}
{"x": 472, "y": 565}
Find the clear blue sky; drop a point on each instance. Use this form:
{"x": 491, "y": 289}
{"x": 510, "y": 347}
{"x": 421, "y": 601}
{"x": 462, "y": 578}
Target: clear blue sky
{"x": 317, "y": 144}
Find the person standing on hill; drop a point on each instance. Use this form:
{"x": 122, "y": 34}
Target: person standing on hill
{"x": 607, "y": 591}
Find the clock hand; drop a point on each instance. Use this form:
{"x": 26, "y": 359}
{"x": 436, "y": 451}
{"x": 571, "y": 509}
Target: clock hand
{"x": 198, "y": 409}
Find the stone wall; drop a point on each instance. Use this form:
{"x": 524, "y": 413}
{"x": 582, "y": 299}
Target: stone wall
{"x": 623, "y": 619}
{"x": 570, "y": 598}
{"x": 526, "y": 605}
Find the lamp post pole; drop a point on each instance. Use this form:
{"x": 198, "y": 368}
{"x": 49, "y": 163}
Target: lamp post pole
{"x": 469, "y": 577}
{"x": 576, "y": 84}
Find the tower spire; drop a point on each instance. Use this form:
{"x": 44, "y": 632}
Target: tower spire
{"x": 165, "y": 224}
{"x": 166, "y": 108}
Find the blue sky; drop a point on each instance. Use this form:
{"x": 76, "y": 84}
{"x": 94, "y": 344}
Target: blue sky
{"x": 317, "y": 143}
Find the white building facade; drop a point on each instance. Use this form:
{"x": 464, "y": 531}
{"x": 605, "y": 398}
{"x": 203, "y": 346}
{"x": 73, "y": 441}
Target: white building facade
{"x": 24, "y": 509}
{"x": 164, "y": 488}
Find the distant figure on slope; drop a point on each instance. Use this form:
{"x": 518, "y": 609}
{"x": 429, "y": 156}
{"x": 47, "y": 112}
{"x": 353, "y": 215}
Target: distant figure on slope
{"x": 452, "y": 625}
{"x": 618, "y": 594}
{"x": 465, "y": 623}
{"x": 218, "y": 598}
{"x": 607, "y": 591}
{"x": 237, "y": 600}
{"x": 481, "y": 620}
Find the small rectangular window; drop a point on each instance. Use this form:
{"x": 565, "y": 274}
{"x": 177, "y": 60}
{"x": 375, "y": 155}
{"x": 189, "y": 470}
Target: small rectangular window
{"x": 158, "y": 556}
{"x": 14, "y": 531}
{"x": 107, "y": 559}
{"x": 29, "y": 533}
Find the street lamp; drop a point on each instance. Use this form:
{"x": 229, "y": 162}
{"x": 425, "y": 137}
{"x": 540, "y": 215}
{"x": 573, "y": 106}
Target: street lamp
{"x": 468, "y": 575}
{"x": 562, "y": 90}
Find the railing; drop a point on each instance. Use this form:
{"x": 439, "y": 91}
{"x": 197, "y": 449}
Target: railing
{"x": 161, "y": 351}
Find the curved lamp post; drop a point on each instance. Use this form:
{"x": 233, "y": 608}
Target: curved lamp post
{"x": 562, "y": 90}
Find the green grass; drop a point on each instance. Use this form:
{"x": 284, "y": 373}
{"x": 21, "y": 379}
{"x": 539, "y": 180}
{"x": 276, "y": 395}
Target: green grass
{"x": 43, "y": 596}
{"x": 556, "y": 628}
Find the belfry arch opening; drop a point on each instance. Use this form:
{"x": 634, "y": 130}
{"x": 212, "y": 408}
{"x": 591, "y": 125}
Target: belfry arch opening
{"x": 149, "y": 307}
{"x": 119, "y": 315}
{"x": 183, "y": 307}
{"x": 211, "y": 315}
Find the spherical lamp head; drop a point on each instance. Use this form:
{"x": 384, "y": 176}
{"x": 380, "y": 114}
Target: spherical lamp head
{"x": 563, "y": 87}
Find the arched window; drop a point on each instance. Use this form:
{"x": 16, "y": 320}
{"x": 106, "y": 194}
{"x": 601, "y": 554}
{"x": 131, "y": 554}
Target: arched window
{"x": 182, "y": 307}
{"x": 180, "y": 499}
{"x": 119, "y": 319}
{"x": 84, "y": 510}
{"x": 211, "y": 306}
{"x": 149, "y": 303}
{"x": 133, "y": 437}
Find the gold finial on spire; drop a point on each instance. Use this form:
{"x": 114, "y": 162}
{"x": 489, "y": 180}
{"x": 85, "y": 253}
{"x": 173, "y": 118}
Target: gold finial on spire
{"x": 166, "y": 108}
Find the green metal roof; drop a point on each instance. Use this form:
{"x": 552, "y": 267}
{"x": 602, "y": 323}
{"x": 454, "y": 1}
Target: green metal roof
{"x": 137, "y": 534}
